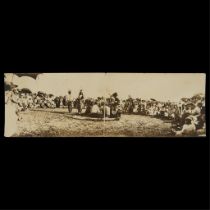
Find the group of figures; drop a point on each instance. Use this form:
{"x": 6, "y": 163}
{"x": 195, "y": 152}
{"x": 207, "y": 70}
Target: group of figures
{"x": 24, "y": 100}
{"x": 187, "y": 116}
{"x": 100, "y": 107}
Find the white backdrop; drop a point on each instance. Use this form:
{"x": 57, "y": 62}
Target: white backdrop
{"x": 159, "y": 86}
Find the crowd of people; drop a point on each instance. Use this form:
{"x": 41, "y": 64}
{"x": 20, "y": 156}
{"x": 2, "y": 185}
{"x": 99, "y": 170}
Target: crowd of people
{"x": 26, "y": 100}
{"x": 187, "y": 116}
{"x": 108, "y": 107}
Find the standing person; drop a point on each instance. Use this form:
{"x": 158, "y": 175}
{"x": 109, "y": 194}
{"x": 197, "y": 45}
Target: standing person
{"x": 81, "y": 95}
{"x": 11, "y": 113}
{"x": 115, "y": 102}
{"x": 130, "y": 104}
{"x": 69, "y": 101}
{"x": 79, "y": 101}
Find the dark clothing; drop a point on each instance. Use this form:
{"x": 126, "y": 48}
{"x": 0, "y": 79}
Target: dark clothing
{"x": 81, "y": 96}
{"x": 57, "y": 102}
{"x": 69, "y": 104}
{"x": 113, "y": 108}
{"x": 203, "y": 110}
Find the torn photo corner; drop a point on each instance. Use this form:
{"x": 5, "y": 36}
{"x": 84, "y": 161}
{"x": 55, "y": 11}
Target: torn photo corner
{"x": 105, "y": 104}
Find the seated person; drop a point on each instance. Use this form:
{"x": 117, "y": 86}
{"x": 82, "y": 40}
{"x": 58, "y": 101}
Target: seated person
{"x": 202, "y": 131}
{"x": 188, "y": 128}
{"x": 88, "y": 103}
{"x": 105, "y": 110}
{"x": 95, "y": 111}
{"x": 197, "y": 109}
{"x": 166, "y": 114}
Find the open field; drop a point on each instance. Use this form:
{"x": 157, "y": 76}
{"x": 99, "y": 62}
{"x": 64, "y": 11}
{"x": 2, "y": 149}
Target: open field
{"x": 59, "y": 123}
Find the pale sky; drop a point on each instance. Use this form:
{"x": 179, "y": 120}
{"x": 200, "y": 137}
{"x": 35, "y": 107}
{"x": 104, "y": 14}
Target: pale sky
{"x": 160, "y": 86}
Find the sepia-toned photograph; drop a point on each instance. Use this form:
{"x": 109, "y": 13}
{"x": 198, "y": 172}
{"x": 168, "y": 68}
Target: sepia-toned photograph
{"x": 104, "y": 104}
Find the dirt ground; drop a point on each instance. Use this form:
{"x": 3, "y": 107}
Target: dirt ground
{"x": 59, "y": 123}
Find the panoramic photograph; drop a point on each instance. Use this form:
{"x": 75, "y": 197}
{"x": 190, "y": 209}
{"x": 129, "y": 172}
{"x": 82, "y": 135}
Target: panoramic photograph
{"x": 104, "y": 104}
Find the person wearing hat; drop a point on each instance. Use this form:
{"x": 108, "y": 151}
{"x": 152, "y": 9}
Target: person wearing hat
{"x": 81, "y": 95}
{"x": 79, "y": 100}
{"x": 197, "y": 109}
{"x": 130, "y": 104}
{"x": 56, "y": 101}
{"x": 188, "y": 129}
{"x": 11, "y": 110}
{"x": 114, "y": 104}
{"x": 89, "y": 102}
{"x": 95, "y": 111}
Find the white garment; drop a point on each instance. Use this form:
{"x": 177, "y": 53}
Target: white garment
{"x": 107, "y": 110}
{"x": 95, "y": 109}
{"x": 68, "y": 97}
{"x": 196, "y": 111}
{"x": 166, "y": 114}
{"x": 187, "y": 130}
{"x": 11, "y": 119}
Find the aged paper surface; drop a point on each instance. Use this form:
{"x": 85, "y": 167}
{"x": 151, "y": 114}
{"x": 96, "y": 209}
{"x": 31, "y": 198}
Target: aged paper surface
{"x": 104, "y": 104}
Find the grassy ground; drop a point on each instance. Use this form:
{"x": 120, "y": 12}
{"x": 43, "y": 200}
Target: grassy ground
{"x": 59, "y": 123}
